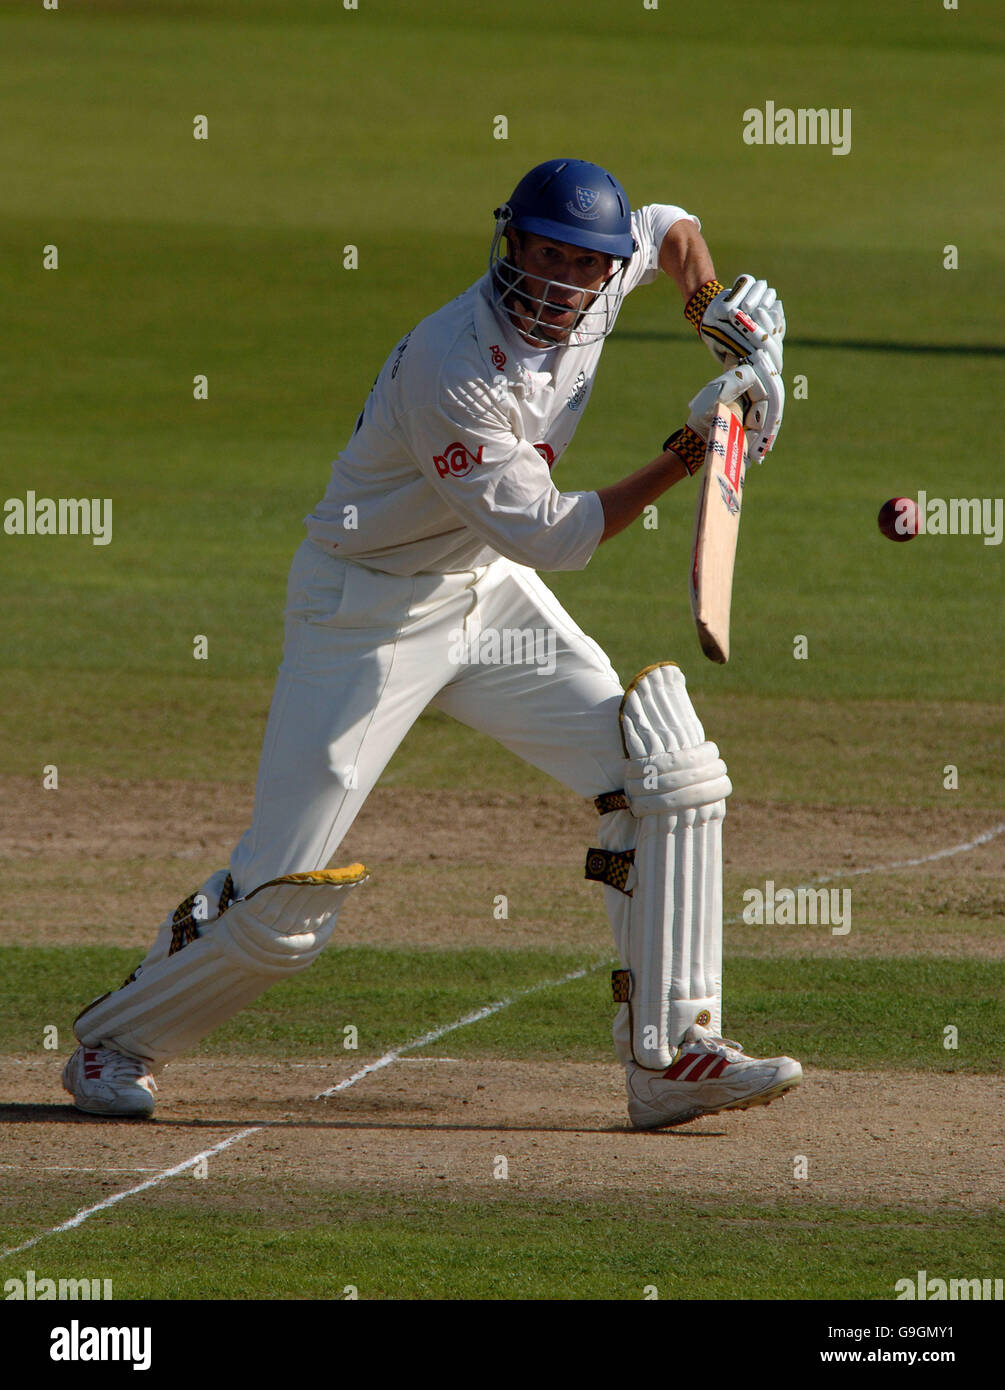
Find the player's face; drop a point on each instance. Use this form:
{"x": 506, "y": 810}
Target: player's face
{"x": 580, "y": 274}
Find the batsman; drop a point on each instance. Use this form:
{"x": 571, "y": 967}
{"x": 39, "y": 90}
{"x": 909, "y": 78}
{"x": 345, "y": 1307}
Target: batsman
{"x": 441, "y": 509}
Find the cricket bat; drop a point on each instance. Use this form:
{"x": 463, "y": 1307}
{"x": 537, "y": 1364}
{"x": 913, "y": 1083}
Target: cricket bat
{"x": 716, "y": 529}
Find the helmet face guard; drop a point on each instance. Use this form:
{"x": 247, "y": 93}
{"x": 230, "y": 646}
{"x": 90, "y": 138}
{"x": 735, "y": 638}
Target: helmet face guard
{"x": 595, "y": 310}
{"x": 573, "y": 203}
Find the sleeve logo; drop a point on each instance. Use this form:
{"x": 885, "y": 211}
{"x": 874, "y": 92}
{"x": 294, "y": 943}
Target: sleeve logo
{"x": 498, "y": 356}
{"x": 578, "y": 392}
{"x": 456, "y": 461}
{"x": 546, "y": 452}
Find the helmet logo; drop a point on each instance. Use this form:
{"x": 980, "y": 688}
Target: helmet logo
{"x": 584, "y": 206}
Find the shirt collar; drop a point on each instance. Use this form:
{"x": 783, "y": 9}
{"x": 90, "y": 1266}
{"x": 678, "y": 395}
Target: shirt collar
{"x": 501, "y": 347}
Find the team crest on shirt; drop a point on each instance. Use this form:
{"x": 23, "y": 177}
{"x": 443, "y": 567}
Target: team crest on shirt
{"x": 456, "y": 460}
{"x": 584, "y": 206}
{"x": 578, "y": 392}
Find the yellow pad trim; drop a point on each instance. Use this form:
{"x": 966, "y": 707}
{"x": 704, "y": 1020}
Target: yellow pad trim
{"x": 352, "y": 873}
{"x": 630, "y": 687}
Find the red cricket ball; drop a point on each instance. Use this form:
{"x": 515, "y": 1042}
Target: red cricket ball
{"x": 898, "y": 518}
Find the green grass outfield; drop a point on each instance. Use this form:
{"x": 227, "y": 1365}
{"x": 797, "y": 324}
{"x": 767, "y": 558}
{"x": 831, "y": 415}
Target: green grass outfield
{"x": 224, "y": 257}
{"x": 327, "y": 1245}
{"x": 374, "y": 128}
{"x": 824, "y": 1011}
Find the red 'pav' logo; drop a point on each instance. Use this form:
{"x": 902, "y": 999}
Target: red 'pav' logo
{"x": 455, "y": 460}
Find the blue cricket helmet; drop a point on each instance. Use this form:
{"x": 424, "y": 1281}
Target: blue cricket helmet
{"x": 577, "y": 202}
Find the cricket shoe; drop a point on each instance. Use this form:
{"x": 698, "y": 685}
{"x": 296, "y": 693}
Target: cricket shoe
{"x": 105, "y": 1082}
{"x": 707, "y": 1074}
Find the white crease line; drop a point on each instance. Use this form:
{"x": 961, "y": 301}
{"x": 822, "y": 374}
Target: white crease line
{"x": 436, "y": 1033}
{"x": 913, "y": 863}
{"x": 82, "y": 1216}
{"x": 900, "y": 864}
{"x": 385, "y": 1061}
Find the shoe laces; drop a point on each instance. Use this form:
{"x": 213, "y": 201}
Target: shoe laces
{"x": 116, "y": 1066}
{"x": 724, "y": 1046}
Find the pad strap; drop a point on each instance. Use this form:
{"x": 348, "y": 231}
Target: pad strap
{"x": 185, "y": 922}
{"x": 611, "y": 867}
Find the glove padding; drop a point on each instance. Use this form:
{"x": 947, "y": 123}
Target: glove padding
{"x": 742, "y": 320}
{"x": 758, "y": 387}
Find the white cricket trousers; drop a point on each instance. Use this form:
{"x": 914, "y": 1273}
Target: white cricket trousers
{"x": 366, "y": 652}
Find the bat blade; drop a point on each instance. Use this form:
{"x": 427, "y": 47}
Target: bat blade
{"x": 716, "y": 530}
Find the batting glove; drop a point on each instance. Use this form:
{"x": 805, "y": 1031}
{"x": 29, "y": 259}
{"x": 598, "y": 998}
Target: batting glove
{"x": 763, "y": 403}
{"x": 737, "y": 322}
{"x": 761, "y": 394}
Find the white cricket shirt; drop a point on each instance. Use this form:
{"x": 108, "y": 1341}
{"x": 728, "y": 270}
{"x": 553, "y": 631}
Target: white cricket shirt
{"x": 451, "y": 462}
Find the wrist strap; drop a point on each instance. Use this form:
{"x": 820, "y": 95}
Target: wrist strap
{"x": 689, "y": 448}
{"x": 700, "y": 300}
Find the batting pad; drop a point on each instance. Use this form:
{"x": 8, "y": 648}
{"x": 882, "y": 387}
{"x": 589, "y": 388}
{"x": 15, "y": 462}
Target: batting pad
{"x": 667, "y": 917}
{"x": 173, "y": 1002}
